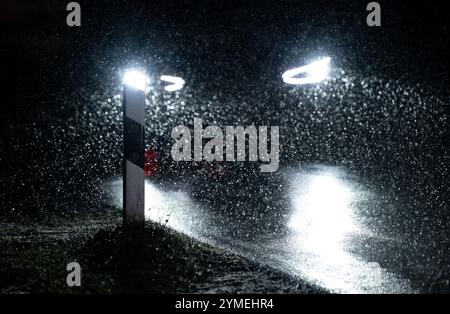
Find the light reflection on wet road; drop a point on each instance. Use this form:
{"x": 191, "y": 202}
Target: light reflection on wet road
{"x": 318, "y": 243}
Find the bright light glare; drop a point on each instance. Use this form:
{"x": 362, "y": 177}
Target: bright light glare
{"x": 135, "y": 79}
{"x": 177, "y": 83}
{"x": 315, "y": 72}
{"x": 323, "y": 213}
{"x": 324, "y": 225}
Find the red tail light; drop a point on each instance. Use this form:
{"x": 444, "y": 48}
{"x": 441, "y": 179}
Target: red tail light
{"x": 151, "y": 162}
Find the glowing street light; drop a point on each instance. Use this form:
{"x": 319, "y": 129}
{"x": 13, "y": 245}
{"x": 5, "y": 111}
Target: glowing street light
{"x": 135, "y": 79}
{"x": 315, "y": 72}
{"x": 134, "y": 84}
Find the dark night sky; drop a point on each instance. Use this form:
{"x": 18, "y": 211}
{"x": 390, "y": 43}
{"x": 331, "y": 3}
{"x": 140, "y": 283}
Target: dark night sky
{"x": 219, "y": 32}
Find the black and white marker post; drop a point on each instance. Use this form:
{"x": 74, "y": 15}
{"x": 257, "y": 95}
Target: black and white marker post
{"x": 133, "y": 145}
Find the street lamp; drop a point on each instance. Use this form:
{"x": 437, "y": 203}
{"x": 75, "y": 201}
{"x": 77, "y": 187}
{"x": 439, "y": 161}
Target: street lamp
{"x": 134, "y": 84}
{"x": 315, "y": 72}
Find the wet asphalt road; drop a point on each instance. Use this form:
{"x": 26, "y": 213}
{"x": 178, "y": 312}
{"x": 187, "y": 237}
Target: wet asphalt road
{"x": 323, "y": 234}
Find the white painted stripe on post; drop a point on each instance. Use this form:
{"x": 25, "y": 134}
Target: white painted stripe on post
{"x": 135, "y": 194}
{"x": 134, "y": 101}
